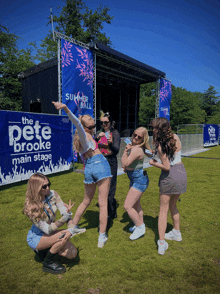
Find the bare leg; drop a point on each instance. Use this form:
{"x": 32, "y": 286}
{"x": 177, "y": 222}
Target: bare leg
{"x": 103, "y": 188}
{"x": 162, "y": 220}
{"x": 138, "y": 208}
{"x": 132, "y": 202}
{"x": 61, "y": 246}
{"x": 88, "y": 196}
{"x": 174, "y": 211}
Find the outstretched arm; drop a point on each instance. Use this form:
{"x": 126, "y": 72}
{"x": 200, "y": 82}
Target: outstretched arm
{"x": 75, "y": 121}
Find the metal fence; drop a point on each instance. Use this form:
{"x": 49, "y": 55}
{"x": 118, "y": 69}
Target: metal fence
{"x": 191, "y": 137}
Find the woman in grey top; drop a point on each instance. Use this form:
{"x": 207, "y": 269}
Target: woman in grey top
{"x": 172, "y": 182}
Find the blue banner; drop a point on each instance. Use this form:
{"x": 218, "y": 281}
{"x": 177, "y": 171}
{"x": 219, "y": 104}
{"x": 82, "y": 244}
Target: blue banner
{"x": 77, "y": 78}
{"x": 165, "y": 98}
{"x": 210, "y": 135}
{"x": 219, "y": 134}
{"x": 32, "y": 143}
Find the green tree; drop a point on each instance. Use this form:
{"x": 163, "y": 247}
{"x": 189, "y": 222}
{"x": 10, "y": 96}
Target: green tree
{"x": 12, "y": 61}
{"x": 148, "y": 94}
{"x": 209, "y": 102}
{"x": 77, "y": 21}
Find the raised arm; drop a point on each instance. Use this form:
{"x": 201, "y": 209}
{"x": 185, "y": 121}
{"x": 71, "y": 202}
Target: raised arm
{"x": 74, "y": 120}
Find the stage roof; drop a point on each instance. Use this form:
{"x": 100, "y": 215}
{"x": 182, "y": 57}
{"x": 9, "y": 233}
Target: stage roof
{"x": 112, "y": 68}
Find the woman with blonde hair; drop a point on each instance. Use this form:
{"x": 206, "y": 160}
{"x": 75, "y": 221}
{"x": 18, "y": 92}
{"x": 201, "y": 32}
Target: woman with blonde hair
{"x": 44, "y": 238}
{"x": 173, "y": 179}
{"x": 132, "y": 162}
{"x": 97, "y": 171}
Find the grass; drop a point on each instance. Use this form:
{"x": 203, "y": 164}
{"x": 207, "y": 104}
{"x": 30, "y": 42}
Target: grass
{"x": 122, "y": 266}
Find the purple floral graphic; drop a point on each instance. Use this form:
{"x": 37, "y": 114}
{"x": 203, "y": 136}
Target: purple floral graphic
{"x": 86, "y": 67}
{"x": 165, "y": 90}
{"x": 66, "y": 54}
{"x": 80, "y": 101}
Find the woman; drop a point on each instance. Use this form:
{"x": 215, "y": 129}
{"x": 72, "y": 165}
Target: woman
{"x": 172, "y": 182}
{"x": 132, "y": 162}
{"x": 109, "y": 145}
{"x": 40, "y": 206}
{"x": 97, "y": 171}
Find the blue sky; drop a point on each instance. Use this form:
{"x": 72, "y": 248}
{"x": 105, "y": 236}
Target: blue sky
{"x": 178, "y": 37}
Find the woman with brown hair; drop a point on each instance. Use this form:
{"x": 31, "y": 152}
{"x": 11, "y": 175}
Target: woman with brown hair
{"x": 44, "y": 237}
{"x": 132, "y": 162}
{"x": 97, "y": 171}
{"x": 172, "y": 182}
{"x": 109, "y": 144}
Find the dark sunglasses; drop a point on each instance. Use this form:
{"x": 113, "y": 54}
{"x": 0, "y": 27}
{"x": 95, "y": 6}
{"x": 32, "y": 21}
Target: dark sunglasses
{"x": 105, "y": 122}
{"x": 139, "y": 137}
{"x": 91, "y": 127}
{"x": 45, "y": 186}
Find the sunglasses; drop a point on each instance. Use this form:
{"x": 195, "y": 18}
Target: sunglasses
{"x": 105, "y": 122}
{"x": 44, "y": 187}
{"x": 91, "y": 127}
{"x": 139, "y": 137}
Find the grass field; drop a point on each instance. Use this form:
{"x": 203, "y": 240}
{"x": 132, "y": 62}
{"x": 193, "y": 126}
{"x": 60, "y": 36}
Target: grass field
{"x": 122, "y": 266}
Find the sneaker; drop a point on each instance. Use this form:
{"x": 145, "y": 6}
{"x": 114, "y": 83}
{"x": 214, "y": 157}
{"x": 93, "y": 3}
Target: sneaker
{"x": 102, "y": 240}
{"x": 77, "y": 230}
{"x": 138, "y": 232}
{"x": 173, "y": 235}
{"x": 162, "y": 248}
{"x": 131, "y": 229}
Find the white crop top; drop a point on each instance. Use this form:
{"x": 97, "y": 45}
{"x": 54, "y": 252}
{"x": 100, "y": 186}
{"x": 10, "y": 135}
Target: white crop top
{"x": 177, "y": 158}
{"x": 86, "y": 144}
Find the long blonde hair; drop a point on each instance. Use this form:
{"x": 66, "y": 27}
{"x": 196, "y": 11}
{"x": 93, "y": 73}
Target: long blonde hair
{"x": 33, "y": 206}
{"x": 76, "y": 142}
{"x": 145, "y": 144}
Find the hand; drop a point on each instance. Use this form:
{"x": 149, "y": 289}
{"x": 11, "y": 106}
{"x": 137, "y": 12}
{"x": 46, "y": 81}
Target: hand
{"x": 101, "y": 134}
{"x": 152, "y": 161}
{"x": 128, "y": 147}
{"x": 69, "y": 207}
{"x": 66, "y": 236}
{"x": 109, "y": 139}
{"x": 60, "y": 105}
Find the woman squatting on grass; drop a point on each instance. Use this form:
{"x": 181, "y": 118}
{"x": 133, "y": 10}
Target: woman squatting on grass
{"x": 44, "y": 237}
{"x": 172, "y": 182}
{"x": 97, "y": 171}
{"x": 132, "y": 162}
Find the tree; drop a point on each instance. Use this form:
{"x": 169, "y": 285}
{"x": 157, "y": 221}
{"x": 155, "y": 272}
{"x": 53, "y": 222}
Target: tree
{"x": 77, "y": 21}
{"x": 148, "y": 93}
{"x": 12, "y": 61}
{"x": 209, "y": 102}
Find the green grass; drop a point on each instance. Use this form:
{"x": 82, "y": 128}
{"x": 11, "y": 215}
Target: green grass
{"x": 122, "y": 266}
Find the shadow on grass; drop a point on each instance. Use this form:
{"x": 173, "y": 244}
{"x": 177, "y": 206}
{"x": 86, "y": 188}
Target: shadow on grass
{"x": 150, "y": 223}
{"x": 63, "y": 260}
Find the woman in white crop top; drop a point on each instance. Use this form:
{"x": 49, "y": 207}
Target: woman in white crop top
{"x": 97, "y": 171}
{"x": 172, "y": 182}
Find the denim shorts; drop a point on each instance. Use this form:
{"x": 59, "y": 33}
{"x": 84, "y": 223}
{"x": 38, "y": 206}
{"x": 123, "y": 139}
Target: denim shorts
{"x": 96, "y": 169}
{"x": 33, "y": 237}
{"x": 138, "y": 180}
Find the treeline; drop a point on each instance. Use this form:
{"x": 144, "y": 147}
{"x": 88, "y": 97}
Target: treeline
{"x": 186, "y": 107}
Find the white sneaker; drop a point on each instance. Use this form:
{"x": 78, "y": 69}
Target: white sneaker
{"x": 162, "y": 248}
{"x": 131, "y": 229}
{"x": 102, "y": 240}
{"x": 77, "y": 230}
{"x": 173, "y": 235}
{"x": 138, "y": 232}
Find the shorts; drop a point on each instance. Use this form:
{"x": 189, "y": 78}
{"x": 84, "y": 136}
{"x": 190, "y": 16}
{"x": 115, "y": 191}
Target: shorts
{"x": 33, "y": 237}
{"x": 173, "y": 181}
{"x": 138, "y": 179}
{"x": 96, "y": 169}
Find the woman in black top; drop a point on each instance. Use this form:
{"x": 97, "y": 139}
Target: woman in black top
{"x": 109, "y": 144}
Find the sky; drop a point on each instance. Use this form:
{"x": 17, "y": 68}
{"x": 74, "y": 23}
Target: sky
{"x": 178, "y": 37}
